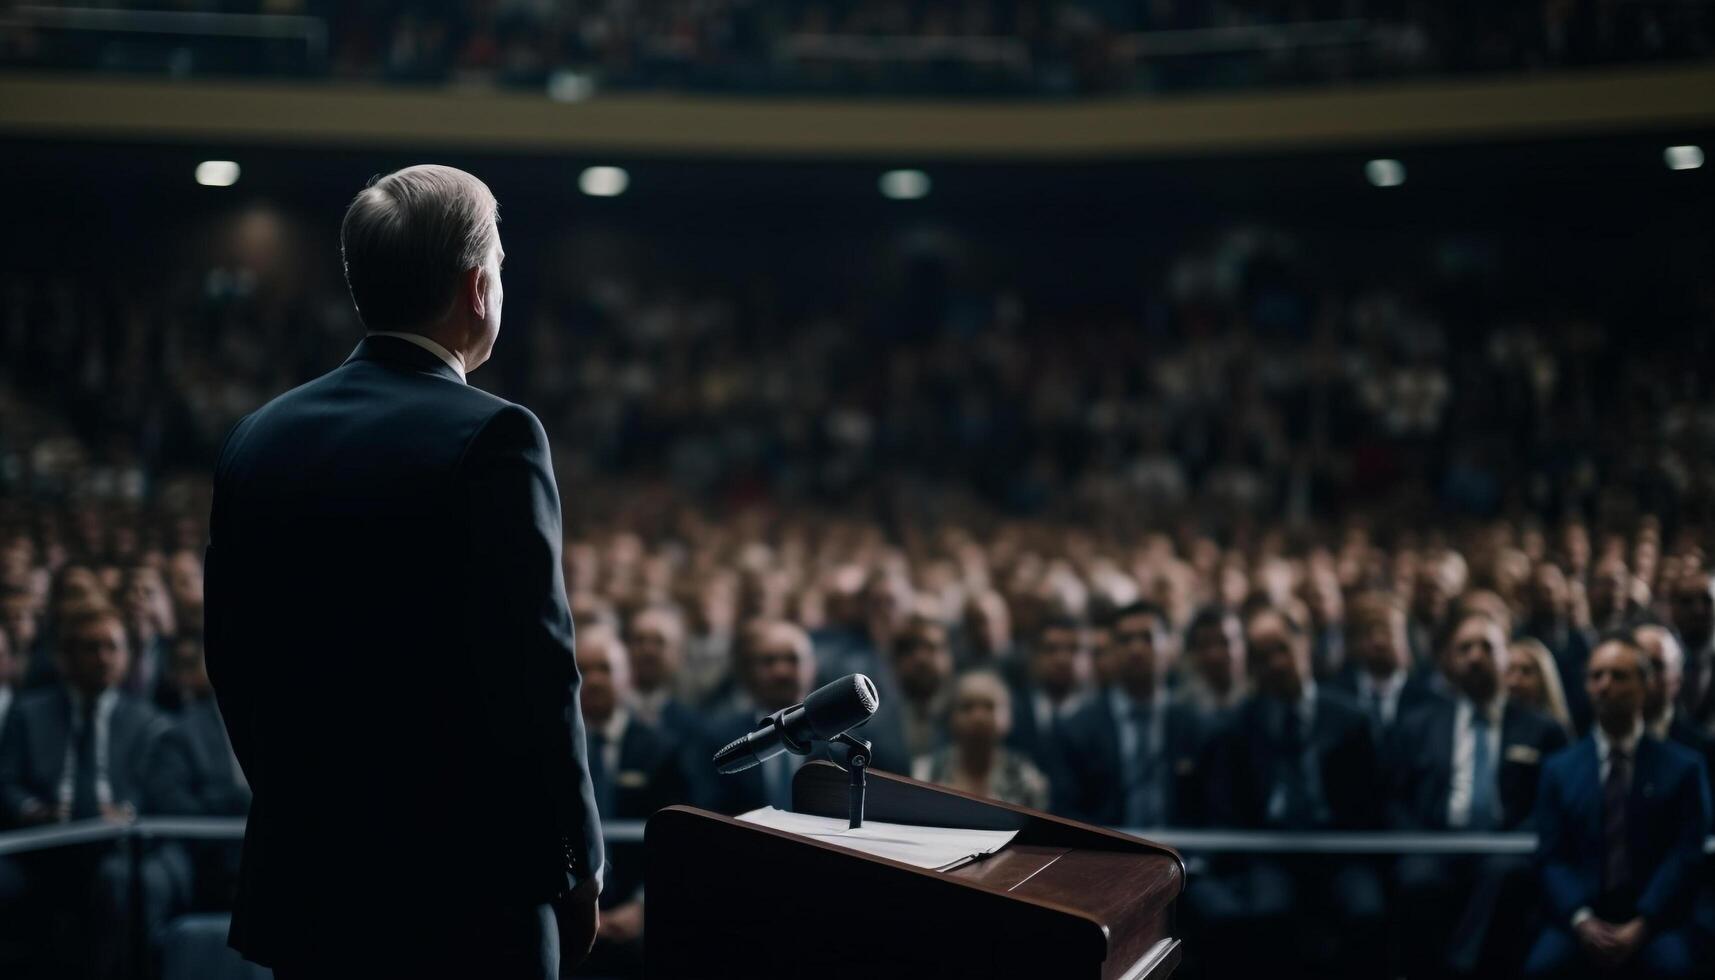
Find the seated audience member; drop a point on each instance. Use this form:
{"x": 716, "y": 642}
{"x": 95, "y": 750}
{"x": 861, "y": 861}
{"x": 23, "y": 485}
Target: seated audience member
{"x": 779, "y": 670}
{"x": 1131, "y": 756}
{"x": 1661, "y": 697}
{"x": 656, "y": 646}
{"x": 1549, "y": 620}
{"x": 217, "y": 781}
{"x": 976, "y": 760}
{"x": 150, "y": 623}
{"x": 986, "y": 634}
{"x": 1471, "y": 763}
{"x": 11, "y": 671}
{"x": 923, "y": 672}
{"x": 1379, "y": 675}
{"x": 1325, "y": 603}
{"x": 1294, "y": 756}
{"x": 20, "y": 619}
{"x": 1534, "y": 681}
{"x": 1215, "y": 656}
{"x": 635, "y": 770}
{"x": 85, "y": 750}
{"x": 1621, "y": 822}
{"x": 1055, "y": 687}
{"x": 1693, "y": 606}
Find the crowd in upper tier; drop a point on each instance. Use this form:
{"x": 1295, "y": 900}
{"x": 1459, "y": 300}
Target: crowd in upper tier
{"x": 975, "y": 47}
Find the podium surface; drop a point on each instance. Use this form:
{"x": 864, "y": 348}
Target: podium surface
{"x": 1063, "y": 899}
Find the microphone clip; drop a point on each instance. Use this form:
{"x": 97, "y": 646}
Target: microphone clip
{"x": 857, "y": 763}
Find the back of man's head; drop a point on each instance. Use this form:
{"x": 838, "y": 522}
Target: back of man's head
{"x": 406, "y": 239}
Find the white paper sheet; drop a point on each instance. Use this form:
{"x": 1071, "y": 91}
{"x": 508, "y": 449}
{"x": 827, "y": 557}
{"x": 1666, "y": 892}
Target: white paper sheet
{"x": 934, "y": 848}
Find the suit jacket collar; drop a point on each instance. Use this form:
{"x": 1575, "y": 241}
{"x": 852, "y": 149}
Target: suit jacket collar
{"x": 403, "y": 354}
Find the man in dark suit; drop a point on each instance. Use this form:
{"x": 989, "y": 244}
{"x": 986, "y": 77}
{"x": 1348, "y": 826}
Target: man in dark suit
{"x": 636, "y": 770}
{"x": 1693, "y": 605}
{"x": 1621, "y": 820}
{"x": 656, "y": 645}
{"x": 426, "y": 806}
{"x": 1378, "y": 675}
{"x": 217, "y": 782}
{"x": 778, "y": 668}
{"x": 87, "y": 751}
{"x": 1133, "y": 756}
{"x": 1548, "y": 618}
{"x": 1297, "y": 756}
{"x": 1470, "y": 764}
{"x": 1661, "y": 695}
{"x": 1055, "y": 688}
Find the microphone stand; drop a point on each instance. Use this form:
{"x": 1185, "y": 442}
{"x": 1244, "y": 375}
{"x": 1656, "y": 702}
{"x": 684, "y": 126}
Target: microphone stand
{"x": 857, "y": 762}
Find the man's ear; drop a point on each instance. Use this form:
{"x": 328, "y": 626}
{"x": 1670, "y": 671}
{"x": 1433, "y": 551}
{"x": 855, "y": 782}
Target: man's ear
{"x": 476, "y": 287}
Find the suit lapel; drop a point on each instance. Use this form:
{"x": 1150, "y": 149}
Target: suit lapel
{"x": 52, "y": 748}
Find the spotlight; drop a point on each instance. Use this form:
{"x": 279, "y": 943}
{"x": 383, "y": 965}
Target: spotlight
{"x": 217, "y": 173}
{"x": 904, "y": 185}
{"x": 604, "y": 181}
{"x": 1385, "y": 173}
{"x": 1683, "y": 157}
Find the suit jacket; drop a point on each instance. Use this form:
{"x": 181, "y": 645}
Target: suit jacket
{"x": 1246, "y": 753}
{"x": 1683, "y": 732}
{"x": 1040, "y": 745}
{"x": 1667, "y": 817}
{"x": 389, "y": 641}
{"x": 217, "y": 787}
{"x": 148, "y": 764}
{"x": 1413, "y": 694}
{"x": 1092, "y": 776}
{"x": 1420, "y": 760}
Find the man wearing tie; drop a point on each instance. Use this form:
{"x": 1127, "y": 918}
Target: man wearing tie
{"x": 1378, "y": 658}
{"x": 779, "y": 668}
{"x": 426, "y": 808}
{"x": 1472, "y": 764}
{"x": 1621, "y": 821}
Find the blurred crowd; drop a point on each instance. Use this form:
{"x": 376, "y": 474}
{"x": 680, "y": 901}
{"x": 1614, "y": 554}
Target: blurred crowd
{"x": 1166, "y": 680}
{"x": 979, "y": 47}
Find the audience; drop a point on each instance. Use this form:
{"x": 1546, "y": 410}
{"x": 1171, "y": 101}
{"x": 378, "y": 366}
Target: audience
{"x": 1533, "y": 680}
{"x": 1621, "y": 822}
{"x": 975, "y": 759}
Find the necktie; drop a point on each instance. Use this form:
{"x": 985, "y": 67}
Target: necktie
{"x": 1374, "y": 706}
{"x": 84, "y": 805}
{"x": 599, "y": 775}
{"x": 1294, "y": 808}
{"x": 1616, "y": 853}
{"x": 1482, "y": 776}
{"x": 1143, "y": 798}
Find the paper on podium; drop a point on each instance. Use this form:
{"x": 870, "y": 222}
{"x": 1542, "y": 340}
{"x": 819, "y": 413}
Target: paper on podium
{"x": 934, "y": 848}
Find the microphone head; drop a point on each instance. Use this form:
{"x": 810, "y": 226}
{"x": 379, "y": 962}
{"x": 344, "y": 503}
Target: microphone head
{"x": 839, "y": 706}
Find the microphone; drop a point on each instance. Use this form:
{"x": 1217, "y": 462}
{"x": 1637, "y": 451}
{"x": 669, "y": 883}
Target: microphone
{"x": 829, "y": 712}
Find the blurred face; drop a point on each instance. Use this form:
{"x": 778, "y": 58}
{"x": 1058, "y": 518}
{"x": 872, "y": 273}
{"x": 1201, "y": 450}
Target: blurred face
{"x": 1218, "y": 653}
{"x": 1477, "y": 658}
{"x": 190, "y": 671}
{"x": 184, "y": 577}
{"x": 145, "y": 599}
{"x": 781, "y": 669}
{"x": 990, "y": 624}
{"x": 1694, "y": 608}
{"x": 922, "y": 661}
{"x": 654, "y": 651}
{"x": 604, "y": 681}
{"x": 1376, "y": 641}
{"x": 1548, "y": 594}
{"x": 1280, "y": 660}
{"x": 1142, "y": 653}
{"x": 18, "y": 618}
{"x": 95, "y": 656}
{"x": 980, "y": 716}
{"x": 1667, "y": 672}
{"x": 9, "y": 665}
{"x": 1054, "y": 661}
{"x": 1524, "y": 680}
{"x": 1609, "y": 587}
{"x": 1615, "y": 683}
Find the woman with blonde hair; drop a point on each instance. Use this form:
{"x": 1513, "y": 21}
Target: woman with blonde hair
{"x": 1533, "y": 679}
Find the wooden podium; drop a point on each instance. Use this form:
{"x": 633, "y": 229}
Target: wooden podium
{"x": 733, "y": 899}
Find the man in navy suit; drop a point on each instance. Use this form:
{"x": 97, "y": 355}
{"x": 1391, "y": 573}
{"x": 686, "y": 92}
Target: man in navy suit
{"x": 1378, "y": 657}
{"x": 1620, "y": 821}
{"x": 635, "y": 768}
{"x": 1471, "y": 764}
{"x": 1133, "y": 756}
{"x": 1055, "y": 688}
{"x": 1661, "y": 698}
{"x": 426, "y": 806}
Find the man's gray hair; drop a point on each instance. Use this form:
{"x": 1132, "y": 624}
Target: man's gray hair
{"x": 406, "y": 239}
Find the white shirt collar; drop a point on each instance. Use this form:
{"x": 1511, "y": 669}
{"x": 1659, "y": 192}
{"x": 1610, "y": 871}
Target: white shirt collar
{"x": 1664, "y": 724}
{"x": 428, "y": 345}
{"x": 1628, "y": 745}
{"x": 1368, "y": 684}
{"x": 1494, "y": 711}
{"x": 614, "y": 730}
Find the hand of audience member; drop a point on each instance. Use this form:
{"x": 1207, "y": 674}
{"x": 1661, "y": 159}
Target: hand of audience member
{"x": 1597, "y": 938}
{"x": 622, "y": 924}
{"x": 1629, "y": 938}
{"x": 118, "y": 812}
